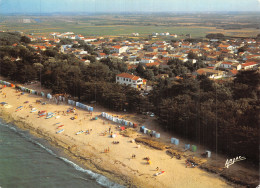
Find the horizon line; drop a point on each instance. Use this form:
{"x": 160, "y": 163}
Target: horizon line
{"x": 127, "y": 12}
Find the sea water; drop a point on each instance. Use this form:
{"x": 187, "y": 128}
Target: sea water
{"x": 29, "y": 162}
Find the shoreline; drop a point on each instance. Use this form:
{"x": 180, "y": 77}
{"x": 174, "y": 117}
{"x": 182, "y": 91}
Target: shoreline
{"x": 60, "y": 145}
{"x": 115, "y": 165}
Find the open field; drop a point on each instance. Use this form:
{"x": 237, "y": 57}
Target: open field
{"x": 120, "y": 25}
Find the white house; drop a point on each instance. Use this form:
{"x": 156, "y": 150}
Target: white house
{"x": 130, "y": 79}
{"x": 68, "y": 33}
{"x": 173, "y": 35}
{"x": 165, "y": 34}
{"x": 225, "y": 65}
{"x": 72, "y": 37}
{"x": 80, "y": 37}
{"x": 135, "y": 34}
{"x": 249, "y": 65}
{"x": 145, "y": 60}
{"x": 119, "y": 49}
{"x": 89, "y": 39}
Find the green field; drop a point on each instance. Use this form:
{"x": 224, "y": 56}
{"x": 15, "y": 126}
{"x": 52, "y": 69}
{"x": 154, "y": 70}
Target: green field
{"x": 119, "y": 26}
{"x": 86, "y": 29}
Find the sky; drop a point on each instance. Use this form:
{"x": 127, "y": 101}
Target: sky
{"x": 92, "y": 6}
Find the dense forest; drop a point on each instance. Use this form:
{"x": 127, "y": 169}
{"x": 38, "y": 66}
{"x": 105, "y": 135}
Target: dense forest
{"x": 221, "y": 115}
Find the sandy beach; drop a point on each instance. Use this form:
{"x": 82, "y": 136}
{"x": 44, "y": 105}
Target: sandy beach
{"x": 91, "y": 150}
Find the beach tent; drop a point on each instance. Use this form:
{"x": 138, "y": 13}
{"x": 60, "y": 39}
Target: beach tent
{"x": 3, "y": 103}
{"x": 122, "y": 128}
{"x": 193, "y": 148}
{"x": 176, "y": 141}
{"x": 187, "y": 146}
{"x": 208, "y": 153}
{"x": 49, "y": 113}
{"x": 157, "y": 135}
{"x": 142, "y": 128}
{"x": 49, "y": 96}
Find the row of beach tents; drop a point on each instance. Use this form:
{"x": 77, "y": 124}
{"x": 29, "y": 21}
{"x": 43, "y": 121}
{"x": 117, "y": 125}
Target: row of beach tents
{"x": 118, "y": 120}
{"x": 145, "y": 130}
{"x": 130, "y": 124}
{"x": 80, "y": 105}
{"x": 48, "y": 96}
{"x": 6, "y": 83}
{"x": 193, "y": 148}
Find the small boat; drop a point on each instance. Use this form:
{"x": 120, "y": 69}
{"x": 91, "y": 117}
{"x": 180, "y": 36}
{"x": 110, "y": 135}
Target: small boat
{"x": 60, "y": 131}
{"x": 33, "y": 110}
{"x": 57, "y": 117}
{"x": 50, "y": 116}
{"x": 41, "y": 112}
{"x": 41, "y": 116}
{"x": 19, "y": 107}
{"x": 60, "y": 126}
{"x": 159, "y": 173}
{"x": 80, "y": 132}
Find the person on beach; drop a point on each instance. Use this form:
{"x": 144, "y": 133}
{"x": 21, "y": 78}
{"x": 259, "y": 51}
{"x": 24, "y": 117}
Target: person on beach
{"x": 109, "y": 129}
{"x": 157, "y": 168}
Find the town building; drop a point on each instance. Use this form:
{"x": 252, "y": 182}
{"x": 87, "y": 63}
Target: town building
{"x": 130, "y": 79}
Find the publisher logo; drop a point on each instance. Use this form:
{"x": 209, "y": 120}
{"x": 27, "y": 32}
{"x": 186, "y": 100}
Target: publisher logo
{"x": 230, "y": 162}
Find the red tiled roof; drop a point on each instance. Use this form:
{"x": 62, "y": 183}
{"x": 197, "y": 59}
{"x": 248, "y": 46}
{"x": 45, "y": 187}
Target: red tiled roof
{"x": 223, "y": 46}
{"x": 249, "y": 63}
{"x": 226, "y": 63}
{"x": 200, "y": 72}
{"x": 234, "y": 71}
{"x": 102, "y": 54}
{"x": 116, "y": 47}
{"x": 131, "y": 67}
{"x": 126, "y": 75}
{"x": 152, "y": 64}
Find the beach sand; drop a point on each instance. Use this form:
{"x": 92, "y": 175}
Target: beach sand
{"x": 89, "y": 149}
